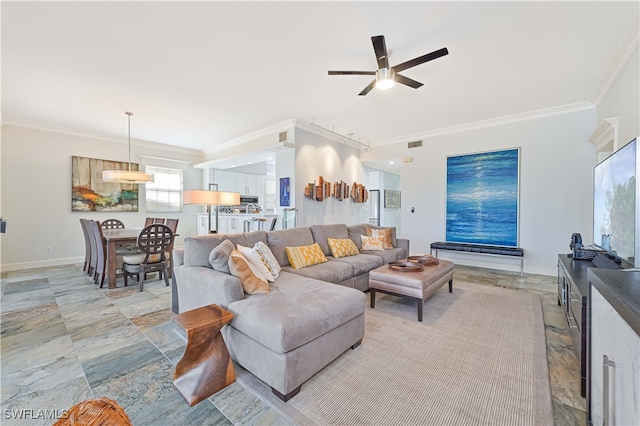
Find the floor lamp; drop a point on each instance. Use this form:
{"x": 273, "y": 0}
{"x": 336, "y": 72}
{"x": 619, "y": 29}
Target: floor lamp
{"x": 210, "y": 198}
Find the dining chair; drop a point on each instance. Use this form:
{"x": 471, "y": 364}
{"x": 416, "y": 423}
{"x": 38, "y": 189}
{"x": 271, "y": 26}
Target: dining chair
{"x": 93, "y": 261}
{"x": 273, "y": 224}
{"x": 87, "y": 246}
{"x": 153, "y": 242}
{"x": 173, "y": 225}
{"x": 100, "y": 253}
{"x": 159, "y": 220}
{"x": 112, "y": 224}
{"x": 148, "y": 221}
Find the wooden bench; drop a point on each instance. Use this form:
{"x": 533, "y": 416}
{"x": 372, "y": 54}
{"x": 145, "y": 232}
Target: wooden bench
{"x": 480, "y": 249}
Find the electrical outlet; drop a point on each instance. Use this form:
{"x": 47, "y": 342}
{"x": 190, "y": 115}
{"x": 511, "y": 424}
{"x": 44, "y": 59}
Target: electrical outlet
{"x": 49, "y": 249}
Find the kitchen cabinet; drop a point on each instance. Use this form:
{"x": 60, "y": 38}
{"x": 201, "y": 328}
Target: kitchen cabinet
{"x": 230, "y": 179}
{"x": 614, "y": 317}
{"x": 244, "y": 183}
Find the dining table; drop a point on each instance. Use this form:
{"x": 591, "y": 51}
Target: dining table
{"x": 113, "y": 238}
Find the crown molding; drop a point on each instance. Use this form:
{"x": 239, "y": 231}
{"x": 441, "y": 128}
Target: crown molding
{"x": 507, "y": 119}
{"x": 606, "y": 132}
{"x": 620, "y": 57}
{"x": 47, "y": 127}
{"x": 267, "y": 131}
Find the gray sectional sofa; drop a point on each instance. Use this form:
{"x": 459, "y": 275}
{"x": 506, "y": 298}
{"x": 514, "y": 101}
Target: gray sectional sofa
{"x": 309, "y": 317}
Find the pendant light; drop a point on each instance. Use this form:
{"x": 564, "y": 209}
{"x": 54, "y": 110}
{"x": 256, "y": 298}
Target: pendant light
{"x": 127, "y": 176}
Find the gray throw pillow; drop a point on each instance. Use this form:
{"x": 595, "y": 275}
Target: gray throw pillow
{"x": 219, "y": 256}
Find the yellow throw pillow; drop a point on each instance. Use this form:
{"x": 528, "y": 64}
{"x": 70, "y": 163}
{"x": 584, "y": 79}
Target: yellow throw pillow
{"x": 372, "y": 243}
{"x": 252, "y": 282}
{"x": 386, "y": 233}
{"x": 342, "y": 247}
{"x": 303, "y": 256}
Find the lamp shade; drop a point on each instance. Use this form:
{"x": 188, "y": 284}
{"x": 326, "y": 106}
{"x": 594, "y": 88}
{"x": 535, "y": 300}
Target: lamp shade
{"x": 217, "y": 198}
{"x": 126, "y": 176}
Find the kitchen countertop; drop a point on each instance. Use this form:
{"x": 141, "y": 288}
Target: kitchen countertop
{"x": 622, "y": 290}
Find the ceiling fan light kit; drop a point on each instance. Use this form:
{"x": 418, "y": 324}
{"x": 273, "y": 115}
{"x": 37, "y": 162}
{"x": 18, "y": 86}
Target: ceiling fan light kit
{"x": 386, "y": 76}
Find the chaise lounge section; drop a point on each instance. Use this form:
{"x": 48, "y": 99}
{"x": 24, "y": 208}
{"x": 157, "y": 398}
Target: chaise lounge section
{"x": 310, "y": 315}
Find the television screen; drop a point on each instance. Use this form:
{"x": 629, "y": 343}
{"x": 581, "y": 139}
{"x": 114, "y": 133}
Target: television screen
{"x": 614, "y": 203}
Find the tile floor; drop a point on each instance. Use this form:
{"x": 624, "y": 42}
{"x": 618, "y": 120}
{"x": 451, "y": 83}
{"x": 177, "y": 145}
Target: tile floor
{"x": 63, "y": 341}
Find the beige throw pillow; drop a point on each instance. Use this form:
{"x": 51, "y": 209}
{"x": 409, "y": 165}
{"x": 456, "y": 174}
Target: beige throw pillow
{"x": 372, "y": 243}
{"x": 386, "y": 233}
{"x": 252, "y": 282}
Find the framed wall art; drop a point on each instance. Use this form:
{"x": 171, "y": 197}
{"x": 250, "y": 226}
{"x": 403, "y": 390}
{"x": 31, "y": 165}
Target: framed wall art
{"x": 391, "y": 199}
{"x": 90, "y": 193}
{"x": 284, "y": 192}
{"x": 482, "y": 201}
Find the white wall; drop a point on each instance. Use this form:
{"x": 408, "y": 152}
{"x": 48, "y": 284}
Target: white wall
{"x": 555, "y": 186}
{"x": 285, "y": 167}
{"x": 319, "y": 156}
{"x": 36, "y": 194}
{"x": 623, "y": 100}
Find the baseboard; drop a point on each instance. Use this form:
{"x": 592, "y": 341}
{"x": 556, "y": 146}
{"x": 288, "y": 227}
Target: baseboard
{"x": 41, "y": 263}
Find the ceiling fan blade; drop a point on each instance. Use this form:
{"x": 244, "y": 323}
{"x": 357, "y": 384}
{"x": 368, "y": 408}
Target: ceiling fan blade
{"x": 367, "y": 89}
{"x": 407, "y": 81}
{"x": 380, "y": 48}
{"x": 421, "y": 60}
{"x": 352, "y": 73}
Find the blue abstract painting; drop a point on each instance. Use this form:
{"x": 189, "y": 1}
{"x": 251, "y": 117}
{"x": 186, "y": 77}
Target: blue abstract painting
{"x": 482, "y": 198}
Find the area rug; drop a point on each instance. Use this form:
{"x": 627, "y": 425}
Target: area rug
{"x": 478, "y": 358}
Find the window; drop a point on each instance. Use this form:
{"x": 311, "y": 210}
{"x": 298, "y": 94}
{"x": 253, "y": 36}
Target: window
{"x": 165, "y": 193}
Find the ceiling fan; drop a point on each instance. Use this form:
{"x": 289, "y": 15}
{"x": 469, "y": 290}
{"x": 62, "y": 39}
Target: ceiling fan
{"x": 387, "y": 76}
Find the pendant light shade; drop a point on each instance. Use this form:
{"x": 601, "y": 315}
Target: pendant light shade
{"x": 127, "y": 176}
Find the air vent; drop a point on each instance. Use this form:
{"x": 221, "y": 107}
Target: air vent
{"x": 282, "y": 137}
{"x": 415, "y": 144}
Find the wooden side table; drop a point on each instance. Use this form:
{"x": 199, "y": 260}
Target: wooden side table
{"x": 206, "y": 366}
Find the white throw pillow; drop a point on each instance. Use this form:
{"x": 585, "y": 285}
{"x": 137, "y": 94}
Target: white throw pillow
{"x": 255, "y": 259}
{"x": 268, "y": 258}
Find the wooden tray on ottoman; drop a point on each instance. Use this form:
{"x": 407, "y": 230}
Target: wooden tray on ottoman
{"x": 406, "y": 266}
{"x": 424, "y": 259}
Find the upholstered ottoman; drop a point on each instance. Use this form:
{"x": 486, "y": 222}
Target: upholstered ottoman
{"x": 417, "y": 286}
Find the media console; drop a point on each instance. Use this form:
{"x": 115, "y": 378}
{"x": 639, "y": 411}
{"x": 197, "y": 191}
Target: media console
{"x": 573, "y": 293}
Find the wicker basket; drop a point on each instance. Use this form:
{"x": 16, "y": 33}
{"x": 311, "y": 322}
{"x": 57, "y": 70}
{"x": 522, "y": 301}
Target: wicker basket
{"x": 95, "y": 412}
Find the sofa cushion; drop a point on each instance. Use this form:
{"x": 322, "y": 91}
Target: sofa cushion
{"x": 332, "y": 272}
{"x": 219, "y": 256}
{"x": 252, "y": 281}
{"x": 304, "y": 256}
{"x": 361, "y": 263}
{"x": 312, "y": 308}
{"x": 292, "y": 237}
{"x": 198, "y": 248}
{"x": 342, "y": 247}
{"x": 372, "y": 243}
{"x": 322, "y": 232}
{"x": 392, "y": 255}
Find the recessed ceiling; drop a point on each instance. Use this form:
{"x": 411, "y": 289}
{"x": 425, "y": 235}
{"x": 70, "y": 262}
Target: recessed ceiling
{"x": 198, "y": 74}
